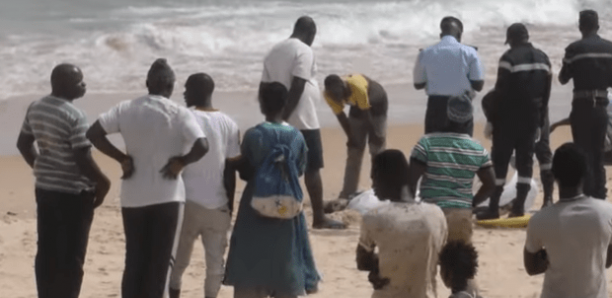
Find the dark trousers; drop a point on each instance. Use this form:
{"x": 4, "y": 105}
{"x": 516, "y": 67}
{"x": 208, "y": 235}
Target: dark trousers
{"x": 589, "y": 123}
{"x": 376, "y": 140}
{"x": 151, "y": 238}
{"x": 505, "y": 142}
{"x": 436, "y": 117}
{"x": 64, "y": 221}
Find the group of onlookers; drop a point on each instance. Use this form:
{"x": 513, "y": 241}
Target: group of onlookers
{"x": 179, "y": 174}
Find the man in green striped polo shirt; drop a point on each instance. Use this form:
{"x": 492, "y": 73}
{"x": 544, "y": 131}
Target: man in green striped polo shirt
{"x": 447, "y": 162}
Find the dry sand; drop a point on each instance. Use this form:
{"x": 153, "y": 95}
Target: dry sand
{"x": 501, "y": 271}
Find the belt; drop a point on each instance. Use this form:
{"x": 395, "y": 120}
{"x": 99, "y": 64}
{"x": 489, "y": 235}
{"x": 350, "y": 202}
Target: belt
{"x": 591, "y": 94}
{"x": 597, "y": 97}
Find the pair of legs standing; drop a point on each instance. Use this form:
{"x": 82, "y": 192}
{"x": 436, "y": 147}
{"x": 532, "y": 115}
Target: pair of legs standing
{"x": 505, "y": 142}
{"x": 63, "y": 223}
{"x": 589, "y": 122}
{"x": 212, "y": 225}
{"x": 376, "y": 139}
{"x": 314, "y": 184}
{"x": 151, "y": 240}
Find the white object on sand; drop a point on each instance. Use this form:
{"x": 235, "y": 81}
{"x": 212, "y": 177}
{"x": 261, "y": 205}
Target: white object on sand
{"x": 365, "y": 202}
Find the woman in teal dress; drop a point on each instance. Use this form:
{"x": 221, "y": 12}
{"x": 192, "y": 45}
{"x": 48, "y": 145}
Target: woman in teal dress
{"x": 269, "y": 256}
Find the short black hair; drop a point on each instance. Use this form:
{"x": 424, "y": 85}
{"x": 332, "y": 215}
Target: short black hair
{"x": 447, "y": 21}
{"x": 569, "y": 165}
{"x": 332, "y": 80}
{"x": 460, "y": 259}
{"x": 304, "y": 24}
{"x": 391, "y": 166}
{"x": 160, "y": 76}
{"x": 201, "y": 82}
{"x": 273, "y": 97}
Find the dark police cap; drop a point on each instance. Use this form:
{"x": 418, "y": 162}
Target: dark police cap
{"x": 589, "y": 18}
{"x": 516, "y": 31}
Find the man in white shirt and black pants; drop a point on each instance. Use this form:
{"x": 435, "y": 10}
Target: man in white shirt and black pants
{"x": 447, "y": 69}
{"x": 208, "y": 206}
{"x": 291, "y": 63}
{"x": 158, "y": 133}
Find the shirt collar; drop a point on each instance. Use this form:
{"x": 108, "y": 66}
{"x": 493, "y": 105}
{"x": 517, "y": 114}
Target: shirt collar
{"x": 449, "y": 39}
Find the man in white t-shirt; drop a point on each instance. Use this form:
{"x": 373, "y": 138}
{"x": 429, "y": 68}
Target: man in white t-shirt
{"x": 161, "y": 138}
{"x": 571, "y": 240}
{"x": 292, "y": 63}
{"x": 209, "y": 201}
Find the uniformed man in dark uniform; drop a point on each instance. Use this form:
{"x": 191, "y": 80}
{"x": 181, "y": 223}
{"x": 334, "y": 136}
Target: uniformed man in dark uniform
{"x": 520, "y": 106}
{"x": 589, "y": 62}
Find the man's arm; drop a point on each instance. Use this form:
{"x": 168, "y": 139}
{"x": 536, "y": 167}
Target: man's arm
{"x": 293, "y": 98}
{"x": 416, "y": 170}
{"x": 89, "y": 168}
{"x": 609, "y": 257}
{"x": 97, "y": 136}
{"x": 487, "y": 176}
{"x": 476, "y": 74}
{"x": 366, "y": 260}
{"x": 419, "y": 74}
{"x": 229, "y": 180}
{"x": 504, "y": 70}
{"x": 344, "y": 122}
{"x": 477, "y": 85}
{"x": 562, "y": 122}
{"x": 565, "y": 75}
{"x": 177, "y": 163}
{"x": 535, "y": 263}
{"x": 25, "y": 144}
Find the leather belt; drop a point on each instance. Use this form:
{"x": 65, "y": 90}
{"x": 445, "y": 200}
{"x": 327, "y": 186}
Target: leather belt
{"x": 597, "y": 97}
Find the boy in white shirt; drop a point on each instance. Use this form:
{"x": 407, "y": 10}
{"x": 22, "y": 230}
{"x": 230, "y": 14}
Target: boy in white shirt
{"x": 208, "y": 200}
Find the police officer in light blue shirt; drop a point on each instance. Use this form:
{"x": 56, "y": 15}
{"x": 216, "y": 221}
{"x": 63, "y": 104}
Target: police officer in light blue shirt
{"x": 447, "y": 69}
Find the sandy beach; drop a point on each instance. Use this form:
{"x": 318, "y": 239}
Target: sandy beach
{"x": 501, "y": 271}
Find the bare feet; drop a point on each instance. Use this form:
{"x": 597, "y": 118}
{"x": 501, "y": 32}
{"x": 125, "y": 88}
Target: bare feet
{"x": 328, "y": 223}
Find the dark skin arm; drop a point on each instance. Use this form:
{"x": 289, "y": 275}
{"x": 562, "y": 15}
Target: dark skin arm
{"x": 97, "y": 136}
{"x": 368, "y": 261}
{"x": 420, "y": 86}
{"x": 487, "y": 176}
{"x": 415, "y": 171}
{"x": 90, "y": 169}
{"x": 177, "y": 163}
{"x": 293, "y": 97}
{"x": 563, "y": 122}
{"x": 535, "y": 263}
{"x": 25, "y": 144}
{"x": 477, "y": 85}
{"x": 609, "y": 257}
{"x": 229, "y": 181}
{"x": 343, "y": 120}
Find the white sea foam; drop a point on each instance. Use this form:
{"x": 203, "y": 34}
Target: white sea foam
{"x": 228, "y": 40}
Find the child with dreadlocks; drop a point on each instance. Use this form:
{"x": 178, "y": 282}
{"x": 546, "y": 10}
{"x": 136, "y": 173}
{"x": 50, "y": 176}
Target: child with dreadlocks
{"x": 458, "y": 264}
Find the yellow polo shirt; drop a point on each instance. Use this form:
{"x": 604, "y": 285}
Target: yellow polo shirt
{"x": 359, "y": 94}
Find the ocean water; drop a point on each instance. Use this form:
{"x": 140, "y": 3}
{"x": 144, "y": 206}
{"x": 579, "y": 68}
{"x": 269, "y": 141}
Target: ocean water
{"x": 115, "y": 41}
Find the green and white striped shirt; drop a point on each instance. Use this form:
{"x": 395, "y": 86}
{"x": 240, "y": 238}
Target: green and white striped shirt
{"x": 452, "y": 161}
{"x": 58, "y": 127}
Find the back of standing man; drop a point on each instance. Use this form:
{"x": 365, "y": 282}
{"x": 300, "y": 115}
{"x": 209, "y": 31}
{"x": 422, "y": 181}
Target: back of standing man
{"x": 571, "y": 241}
{"x": 589, "y": 62}
{"x": 447, "y": 69}
{"x": 367, "y": 120}
{"x": 522, "y": 91}
{"x": 161, "y": 138}
{"x": 208, "y": 200}
{"x": 292, "y": 63}
{"x": 69, "y": 184}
